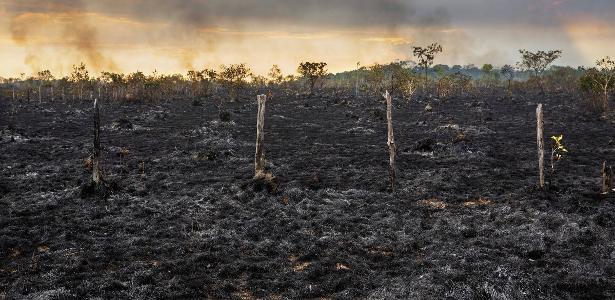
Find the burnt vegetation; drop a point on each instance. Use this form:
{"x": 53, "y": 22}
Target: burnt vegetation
{"x": 152, "y": 185}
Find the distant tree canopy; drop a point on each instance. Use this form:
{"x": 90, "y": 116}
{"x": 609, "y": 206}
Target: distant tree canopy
{"x": 233, "y": 77}
{"x": 201, "y": 81}
{"x": 275, "y": 75}
{"x": 44, "y": 75}
{"x": 395, "y": 77}
{"x": 80, "y": 76}
{"x": 487, "y": 69}
{"x": 312, "y": 71}
{"x": 537, "y": 62}
{"x": 400, "y": 78}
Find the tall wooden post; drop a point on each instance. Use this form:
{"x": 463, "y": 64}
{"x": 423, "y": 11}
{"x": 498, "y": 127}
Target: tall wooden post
{"x": 259, "y": 157}
{"x": 53, "y": 97}
{"x": 391, "y": 142}
{"x": 356, "y": 87}
{"x": 541, "y": 145}
{"x": 40, "y": 93}
{"x": 96, "y": 175}
{"x": 607, "y": 179}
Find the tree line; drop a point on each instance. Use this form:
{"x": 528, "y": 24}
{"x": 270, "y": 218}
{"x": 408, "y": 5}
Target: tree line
{"x": 405, "y": 79}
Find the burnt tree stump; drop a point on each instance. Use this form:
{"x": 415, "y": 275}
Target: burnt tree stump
{"x": 607, "y": 179}
{"x": 96, "y": 173}
{"x": 541, "y": 145}
{"x": 391, "y": 142}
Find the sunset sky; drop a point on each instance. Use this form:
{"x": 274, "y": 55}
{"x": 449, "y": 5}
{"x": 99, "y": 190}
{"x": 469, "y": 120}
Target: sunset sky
{"x": 172, "y": 36}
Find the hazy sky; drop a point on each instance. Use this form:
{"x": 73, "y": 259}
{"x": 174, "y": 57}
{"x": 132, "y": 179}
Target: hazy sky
{"x": 173, "y": 36}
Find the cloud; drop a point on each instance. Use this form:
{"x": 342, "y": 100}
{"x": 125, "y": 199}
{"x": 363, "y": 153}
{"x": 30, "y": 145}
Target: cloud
{"x": 184, "y": 34}
{"x": 29, "y": 21}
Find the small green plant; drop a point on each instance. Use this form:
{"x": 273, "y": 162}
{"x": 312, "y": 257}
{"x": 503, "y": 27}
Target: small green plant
{"x": 558, "y": 150}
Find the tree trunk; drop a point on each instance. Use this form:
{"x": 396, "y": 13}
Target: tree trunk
{"x": 96, "y": 175}
{"x": 391, "y": 142}
{"x": 259, "y": 157}
{"x": 40, "y": 95}
{"x": 541, "y": 145}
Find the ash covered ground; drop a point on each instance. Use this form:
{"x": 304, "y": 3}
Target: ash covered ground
{"x": 467, "y": 221}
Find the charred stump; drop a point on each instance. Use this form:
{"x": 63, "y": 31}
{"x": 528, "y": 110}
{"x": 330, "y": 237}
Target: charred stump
{"x": 96, "y": 174}
{"x": 607, "y": 179}
{"x": 391, "y": 142}
{"x": 259, "y": 157}
{"x": 541, "y": 145}
{"x": 263, "y": 179}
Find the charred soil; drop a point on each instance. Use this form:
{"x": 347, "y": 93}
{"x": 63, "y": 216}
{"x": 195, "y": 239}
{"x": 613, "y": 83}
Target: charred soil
{"x": 183, "y": 221}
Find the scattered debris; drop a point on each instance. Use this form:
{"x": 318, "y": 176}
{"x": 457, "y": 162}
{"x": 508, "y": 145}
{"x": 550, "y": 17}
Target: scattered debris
{"x": 432, "y": 203}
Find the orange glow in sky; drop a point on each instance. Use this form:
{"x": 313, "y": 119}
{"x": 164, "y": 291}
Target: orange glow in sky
{"x": 118, "y": 36}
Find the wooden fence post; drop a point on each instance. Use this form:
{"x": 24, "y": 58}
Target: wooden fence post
{"x": 96, "y": 175}
{"x": 391, "y": 142}
{"x": 607, "y": 179}
{"x": 259, "y": 157}
{"x": 541, "y": 144}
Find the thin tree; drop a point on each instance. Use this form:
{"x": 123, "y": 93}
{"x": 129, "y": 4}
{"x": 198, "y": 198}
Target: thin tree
{"x": 80, "y": 76}
{"x": 508, "y": 72}
{"x": 275, "y": 75}
{"x": 44, "y": 78}
{"x": 426, "y": 56}
{"x": 604, "y": 78}
{"x": 312, "y": 72}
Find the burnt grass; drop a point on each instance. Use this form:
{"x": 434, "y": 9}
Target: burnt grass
{"x": 183, "y": 221}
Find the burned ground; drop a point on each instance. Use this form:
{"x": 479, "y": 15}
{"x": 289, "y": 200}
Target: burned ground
{"x": 467, "y": 221}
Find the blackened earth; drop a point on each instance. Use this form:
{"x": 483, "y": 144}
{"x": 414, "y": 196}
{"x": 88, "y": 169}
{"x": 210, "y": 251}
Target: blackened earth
{"x": 183, "y": 221}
